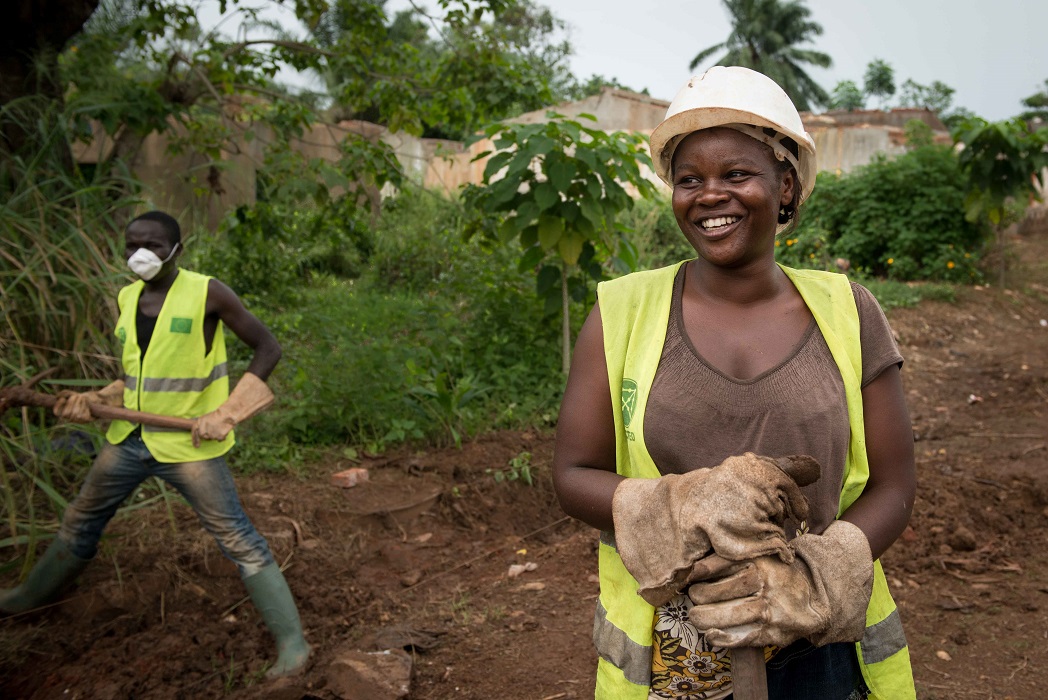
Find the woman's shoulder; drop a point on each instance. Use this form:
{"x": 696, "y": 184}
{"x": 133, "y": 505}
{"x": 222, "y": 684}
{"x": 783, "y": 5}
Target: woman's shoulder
{"x": 640, "y": 280}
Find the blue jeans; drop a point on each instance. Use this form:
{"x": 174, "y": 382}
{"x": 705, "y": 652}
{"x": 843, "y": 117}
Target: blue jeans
{"x": 207, "y": 486}
{"x": 805, "y": 672}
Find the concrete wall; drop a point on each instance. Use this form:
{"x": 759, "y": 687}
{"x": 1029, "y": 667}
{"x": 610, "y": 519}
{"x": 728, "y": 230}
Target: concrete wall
{"x": 615, "y": 110}
{"x": 201, "y": 193}
{"x": 847, "y": 140}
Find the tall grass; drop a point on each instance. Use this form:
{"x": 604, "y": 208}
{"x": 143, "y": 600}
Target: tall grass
{"x": 60, "y": 266}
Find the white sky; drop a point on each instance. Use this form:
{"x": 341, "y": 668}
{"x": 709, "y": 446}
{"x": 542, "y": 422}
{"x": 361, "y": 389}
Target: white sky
{"x": 993, "y": 53}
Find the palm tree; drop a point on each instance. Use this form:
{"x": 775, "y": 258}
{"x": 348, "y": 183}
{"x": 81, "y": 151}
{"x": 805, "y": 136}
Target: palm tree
{"x": 766, "y": 36}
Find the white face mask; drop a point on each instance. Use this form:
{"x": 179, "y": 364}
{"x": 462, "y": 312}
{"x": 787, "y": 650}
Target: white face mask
{"x": 146, "y": 264}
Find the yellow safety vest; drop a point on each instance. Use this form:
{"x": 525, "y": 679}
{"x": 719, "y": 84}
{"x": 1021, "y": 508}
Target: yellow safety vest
{"x": 176, "y": 377}
{"x": 635, "y": 311}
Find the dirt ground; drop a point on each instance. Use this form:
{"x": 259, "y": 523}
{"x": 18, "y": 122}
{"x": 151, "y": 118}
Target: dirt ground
{"x": 419, "y": 557}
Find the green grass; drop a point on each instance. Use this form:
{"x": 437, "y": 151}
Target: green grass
{"x": 892, "y": 294}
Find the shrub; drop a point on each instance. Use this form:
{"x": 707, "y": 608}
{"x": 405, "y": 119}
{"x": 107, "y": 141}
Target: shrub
{"x": 265, "y": 252}
{"x": 902, "y": 218}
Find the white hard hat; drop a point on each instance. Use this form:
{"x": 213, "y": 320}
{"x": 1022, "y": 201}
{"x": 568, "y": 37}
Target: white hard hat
{"x": 738, "y": 98}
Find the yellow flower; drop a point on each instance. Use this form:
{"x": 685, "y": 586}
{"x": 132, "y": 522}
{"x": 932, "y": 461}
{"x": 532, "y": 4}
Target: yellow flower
{"x": 950, "y": 264}
{"x": 891, "y": 260}
{"x": 791, "y": 241}
{"x": 778, "y": 243}
{"x": 811, "y": 255}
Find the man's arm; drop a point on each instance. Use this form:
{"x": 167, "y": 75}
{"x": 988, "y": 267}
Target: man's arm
{"x": 223, "y": 302}
{"x": 251, "y": 394}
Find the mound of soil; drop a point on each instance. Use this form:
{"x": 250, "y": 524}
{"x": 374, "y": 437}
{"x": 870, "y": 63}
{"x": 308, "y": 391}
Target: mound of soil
{"x": 418, "y": 559}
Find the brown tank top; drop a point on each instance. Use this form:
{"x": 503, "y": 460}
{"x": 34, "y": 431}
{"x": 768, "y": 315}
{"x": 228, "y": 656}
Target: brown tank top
{"x": 697, "y": 416}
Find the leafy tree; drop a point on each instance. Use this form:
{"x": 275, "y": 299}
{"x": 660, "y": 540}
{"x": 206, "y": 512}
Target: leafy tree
{"x": 35, "y": 32}
{"x": 1037, "y": 104}
{"x": 579, "y": 90}
{"x": 902, "y": 218}
{"x": 847, "y": 96}
{"x": 879, "y": 80}
{"x": 918, "y": 134}
{"x": 999, "y": 159}
{"x": 556, "y": 188}
{"x": 443, "y": 76}
{"x": 937, "y": 96}
{"x": 767, "y": 36}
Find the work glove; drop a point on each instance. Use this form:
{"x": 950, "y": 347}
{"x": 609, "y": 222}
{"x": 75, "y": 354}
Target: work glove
{"x": 75, "y": 406}
{"x": 250, "y": 396}
{"x": 736, "y": 509}
{"x": 821, "y": 596}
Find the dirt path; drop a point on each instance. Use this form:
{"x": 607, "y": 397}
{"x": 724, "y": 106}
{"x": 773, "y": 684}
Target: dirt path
{"x": 158, "y": 615}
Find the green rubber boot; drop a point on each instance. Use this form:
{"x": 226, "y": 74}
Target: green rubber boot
{"x": 48, "y": 577}
{"x": 270, "y": 594}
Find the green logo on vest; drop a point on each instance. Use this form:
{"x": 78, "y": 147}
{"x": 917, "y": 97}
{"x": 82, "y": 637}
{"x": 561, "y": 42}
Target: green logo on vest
{"x": 629, "y": 400}
{"x": 121, "y": 335}
{"x": 181, "y": 325}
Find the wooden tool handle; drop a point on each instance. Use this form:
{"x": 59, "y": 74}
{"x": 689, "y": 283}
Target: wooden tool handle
{"x": 21, "y": 396}
{"x": 99, "y": 410}
{"x": 749, "y": 675}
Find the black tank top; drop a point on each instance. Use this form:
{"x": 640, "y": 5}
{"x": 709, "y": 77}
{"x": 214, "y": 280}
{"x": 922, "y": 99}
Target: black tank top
{"x": 144, "y": 326}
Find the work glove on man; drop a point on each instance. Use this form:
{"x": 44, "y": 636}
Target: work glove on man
{"x": 736, "y": 509}
{"x": 76, "y": 407}
{"x": 250, "y": 396}
{"x": 821, "y": 596}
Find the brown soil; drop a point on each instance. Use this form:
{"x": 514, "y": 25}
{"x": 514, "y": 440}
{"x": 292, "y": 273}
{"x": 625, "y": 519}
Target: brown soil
{"x": 418, "y": 558}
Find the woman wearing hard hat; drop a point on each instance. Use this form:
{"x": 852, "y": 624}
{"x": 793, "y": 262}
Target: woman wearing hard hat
{"x": 691, "y": 386}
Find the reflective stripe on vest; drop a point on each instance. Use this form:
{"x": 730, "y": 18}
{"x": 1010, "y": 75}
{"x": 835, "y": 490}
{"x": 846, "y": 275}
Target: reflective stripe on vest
{"x": 173, "y": 384}
{"x": 635, "y": 313}
{"x": 180, "y": 378}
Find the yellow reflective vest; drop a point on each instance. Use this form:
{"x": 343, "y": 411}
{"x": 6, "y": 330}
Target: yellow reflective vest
{"x": 635, "y": 312}
{"x": 176, "y": 377}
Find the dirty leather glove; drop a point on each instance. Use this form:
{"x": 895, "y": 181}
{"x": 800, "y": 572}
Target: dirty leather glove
{"x": 250, "y": 396}
{"x": 821, "y": 596}
{"x": 737, "y": 509}
{"x": 75, "y": 407}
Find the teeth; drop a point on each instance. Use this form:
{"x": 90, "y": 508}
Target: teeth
{"x": 718, "y": 222}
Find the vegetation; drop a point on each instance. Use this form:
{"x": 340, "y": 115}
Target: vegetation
{"x": 556, "y": 188}
{"x": 998, "y": 160}
{"x": 768, "y": 36}
{"x": 879, "y": 81}
{"x": 847, "y": 96}
{"x": 1037, "y": 106}
{"x": 405, "y": 316}
{"x": 902, "y": 219}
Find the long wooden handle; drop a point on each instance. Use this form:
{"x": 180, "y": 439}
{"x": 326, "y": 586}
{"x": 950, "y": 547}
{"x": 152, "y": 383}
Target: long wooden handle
{"x": 99, "y": 410}
{"x": 22, "y": 396}
{"x": 749, "y": 675}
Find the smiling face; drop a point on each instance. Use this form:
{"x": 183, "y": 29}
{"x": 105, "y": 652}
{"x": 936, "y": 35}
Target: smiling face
{"x": 727, "y": 191}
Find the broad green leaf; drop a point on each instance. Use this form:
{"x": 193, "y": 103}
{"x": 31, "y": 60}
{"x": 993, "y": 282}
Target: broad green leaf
{"x": 495, "y": 164}
{"x": 546, "y": 195}
{"x": 548, "y": 278}
{"x": 569, "y": 211}
{"x": 532, "y": 257}
{"x": 538, "y": 146}
{"x": 551, "y": 229}
{"x": 561, "y": 172}
{"x": 570, "y": 247}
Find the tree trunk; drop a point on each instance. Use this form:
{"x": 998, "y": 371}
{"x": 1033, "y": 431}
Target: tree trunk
{"x": 1001, "y": 250}
{"x": 565, "y": 323}
{"x": 32, "y": 35}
